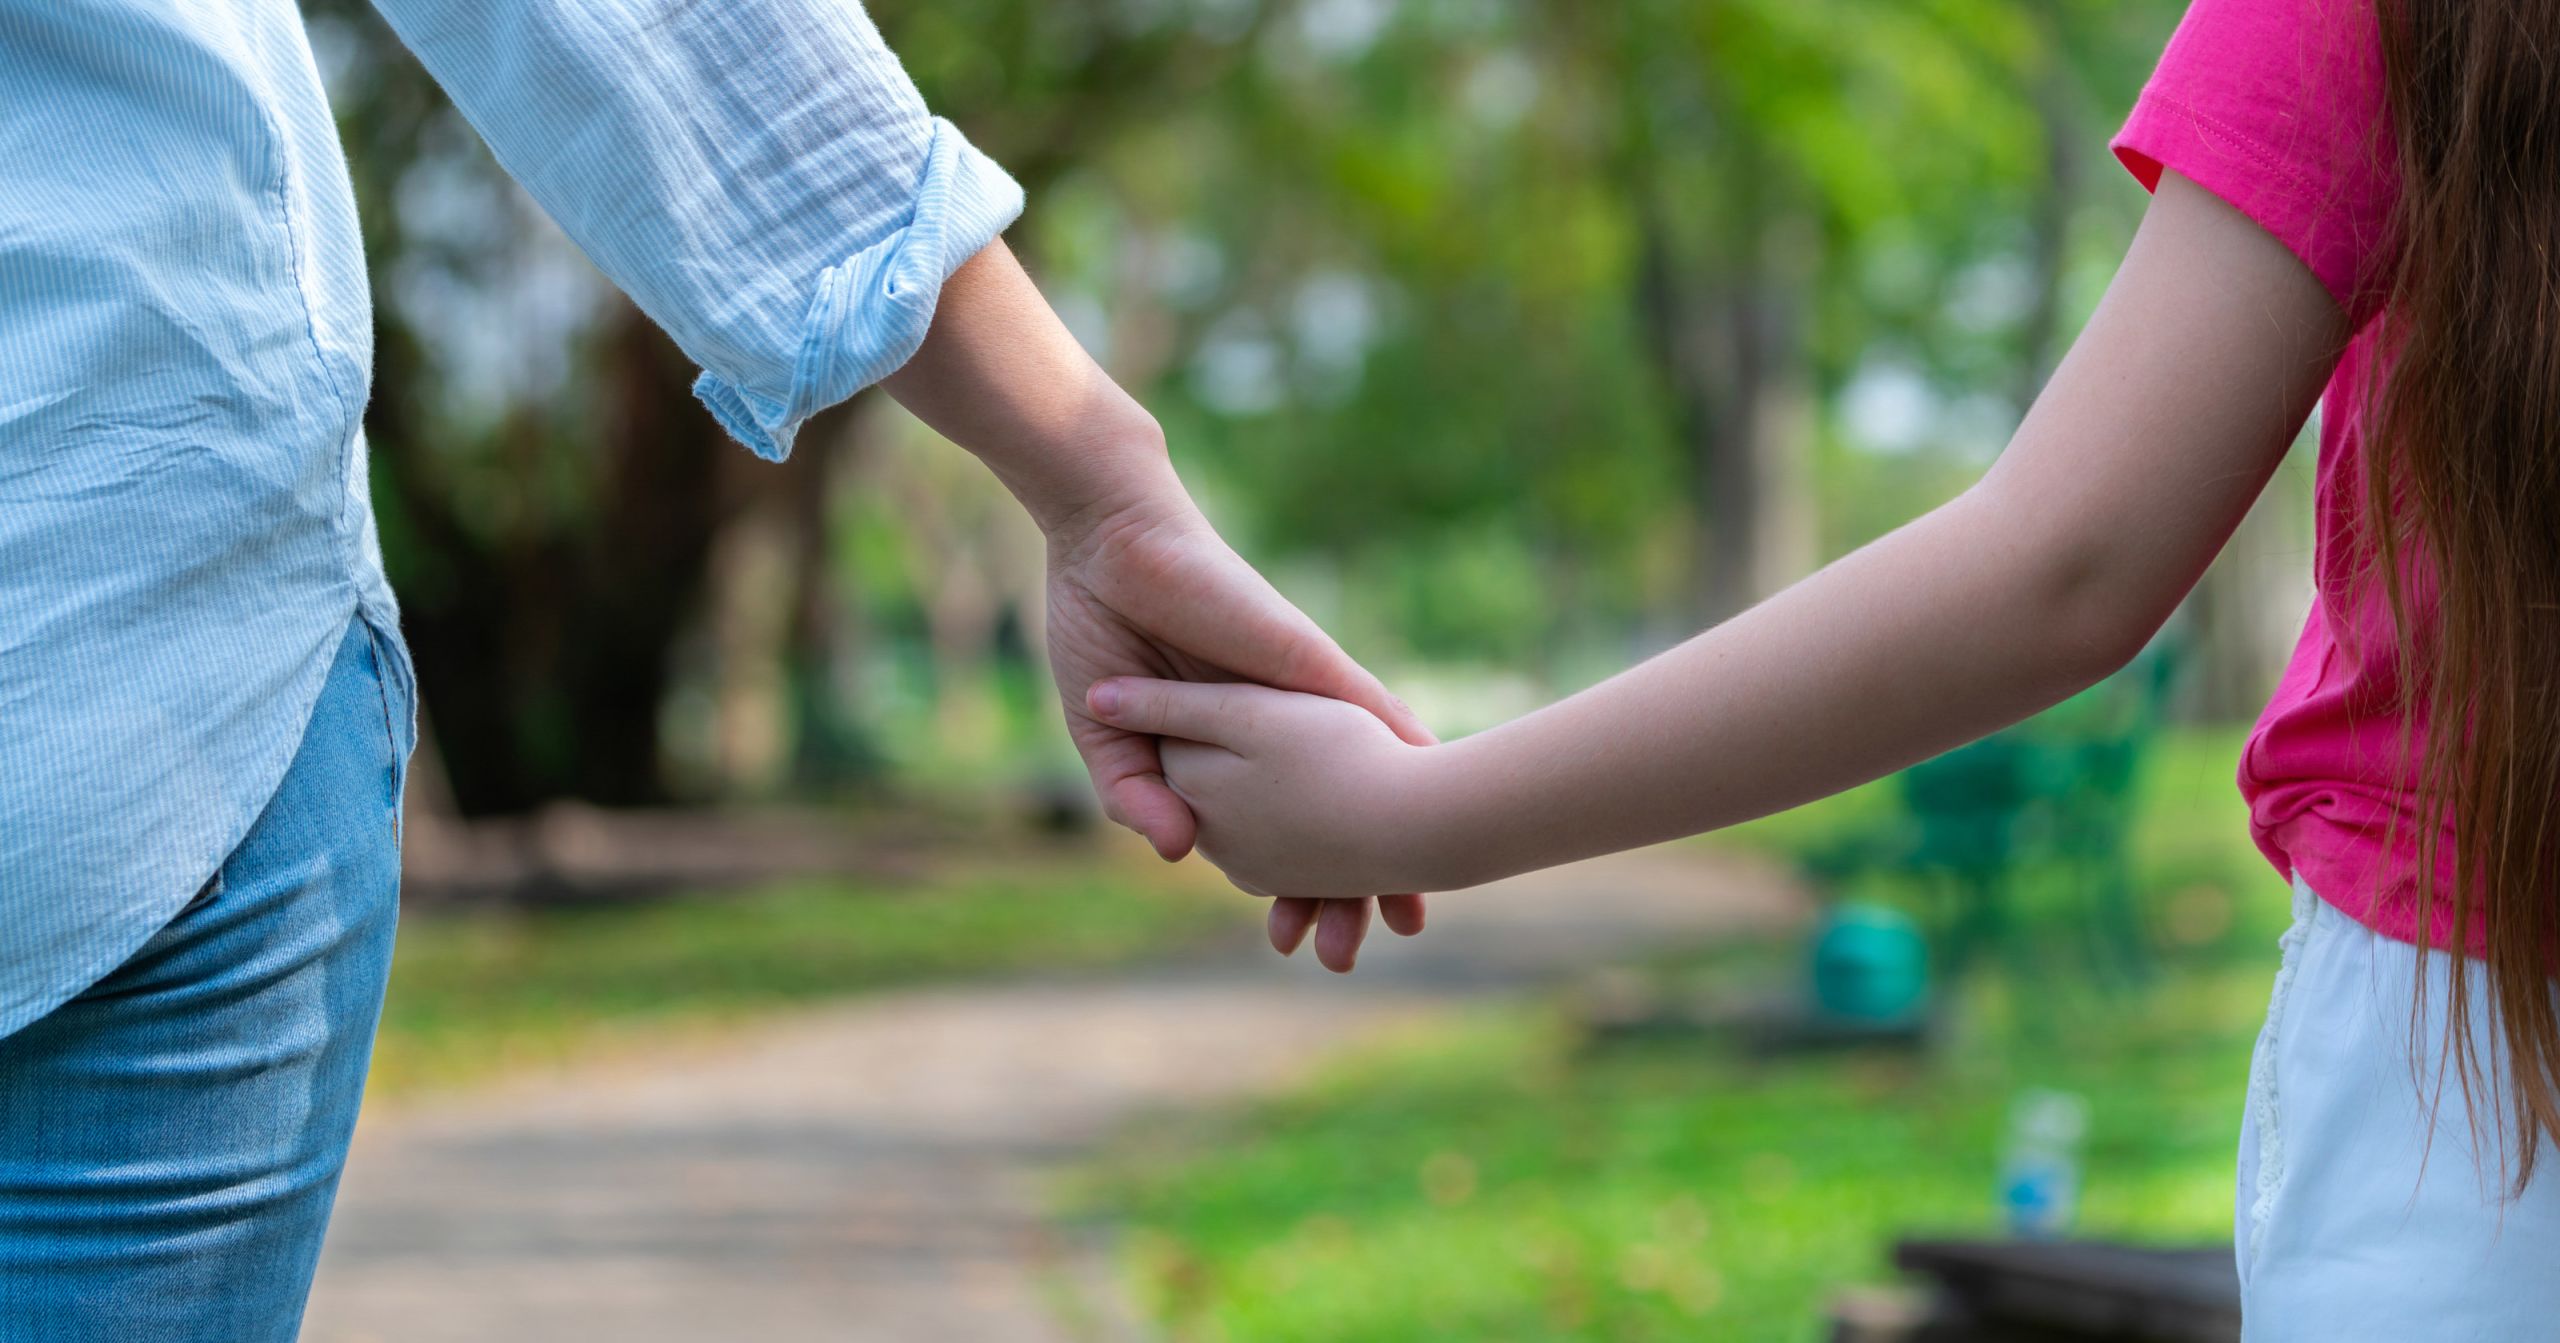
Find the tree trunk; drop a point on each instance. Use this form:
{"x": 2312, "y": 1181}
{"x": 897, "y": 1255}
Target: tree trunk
{"x": 545, "y": 651}
{"x": 1722, "y": 335}
{"x": 2049, "y": 223}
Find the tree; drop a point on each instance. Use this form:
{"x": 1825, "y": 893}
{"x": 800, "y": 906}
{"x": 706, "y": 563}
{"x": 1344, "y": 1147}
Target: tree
{"x": 1540, "y": 320}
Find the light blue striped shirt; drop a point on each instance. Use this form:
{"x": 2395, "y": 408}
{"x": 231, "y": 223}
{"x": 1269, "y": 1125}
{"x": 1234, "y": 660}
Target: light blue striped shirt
{"x": 186, "y": 340}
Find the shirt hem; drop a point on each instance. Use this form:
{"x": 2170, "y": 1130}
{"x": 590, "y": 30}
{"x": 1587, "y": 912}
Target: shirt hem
{"x": 150, "y": 918}
{"x": 2346, "y": 883}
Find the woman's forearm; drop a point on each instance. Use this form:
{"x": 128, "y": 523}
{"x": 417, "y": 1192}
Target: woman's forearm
{"x": 1001, "y": 376}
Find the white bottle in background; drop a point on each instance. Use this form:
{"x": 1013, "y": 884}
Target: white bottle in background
{"x": 2040, "y": 1166}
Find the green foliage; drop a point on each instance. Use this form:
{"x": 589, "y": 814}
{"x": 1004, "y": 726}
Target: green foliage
{"x": 1433, "y": 298}
{"x": 1495, "y": 1183}
{"x": 1497, "y": 1179}
{"x": 1381, "y": 267}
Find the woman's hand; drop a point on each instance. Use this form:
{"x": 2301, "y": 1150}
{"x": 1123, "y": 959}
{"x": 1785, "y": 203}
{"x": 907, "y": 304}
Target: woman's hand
{"x": 1296, "y": 795}
{"x": 1138, "y": 582}
{"x": 1151, "y": 590}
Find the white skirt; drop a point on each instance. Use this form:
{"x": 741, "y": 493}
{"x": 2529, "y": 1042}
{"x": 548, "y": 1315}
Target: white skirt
{"x": 2366, "y": 1208}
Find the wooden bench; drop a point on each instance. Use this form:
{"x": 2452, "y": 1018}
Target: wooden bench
{"x": 2053, "y": 1292}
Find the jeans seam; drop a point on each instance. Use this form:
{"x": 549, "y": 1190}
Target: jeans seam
{"x": 390, "y": 724}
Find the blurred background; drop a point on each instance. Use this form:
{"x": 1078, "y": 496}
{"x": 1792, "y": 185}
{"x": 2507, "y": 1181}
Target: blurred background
{"x": 1515, "y": 341}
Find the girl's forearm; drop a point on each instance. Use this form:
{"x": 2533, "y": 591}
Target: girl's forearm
{"x": 1927, "y": 639}
{"x": 2161, "y": 426}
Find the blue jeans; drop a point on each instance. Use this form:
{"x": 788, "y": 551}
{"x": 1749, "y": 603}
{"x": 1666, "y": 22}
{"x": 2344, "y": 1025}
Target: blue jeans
{"x": 170, "y": 1140}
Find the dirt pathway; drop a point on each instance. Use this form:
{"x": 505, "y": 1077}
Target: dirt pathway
{"x": 875, "y": 1171}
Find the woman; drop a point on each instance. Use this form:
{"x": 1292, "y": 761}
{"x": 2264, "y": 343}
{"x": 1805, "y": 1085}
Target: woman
{"x": 205, "y": 706}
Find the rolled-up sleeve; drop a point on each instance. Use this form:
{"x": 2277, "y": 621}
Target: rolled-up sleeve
{"x": 760, "y": 176}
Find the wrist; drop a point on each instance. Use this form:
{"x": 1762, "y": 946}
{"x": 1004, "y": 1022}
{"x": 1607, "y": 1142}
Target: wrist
{"x": 1104, "y": 470}
{"x": 1000, "y": 375}
{"x": 1435, "y": 837}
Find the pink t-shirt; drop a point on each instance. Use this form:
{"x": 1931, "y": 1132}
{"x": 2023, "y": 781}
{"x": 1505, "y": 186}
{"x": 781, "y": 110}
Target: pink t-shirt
{"x": 2277, "y": 107}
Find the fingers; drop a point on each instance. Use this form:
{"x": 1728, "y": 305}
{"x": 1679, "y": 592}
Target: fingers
{"x": 1340, "y": 928}
{"x": 1317, "y": 665}
{"x": 1216, "y": 713}
{"x": 1292, "y": 918}
{"x": 1128, "y": 775}
{"x": 1395, "y": 713}
{"x": 1322, "y": 668}
{"x": 1145, "y": 804}
{"x": 1226, "y": 614}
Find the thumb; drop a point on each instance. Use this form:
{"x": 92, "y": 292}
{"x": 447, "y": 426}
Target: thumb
{"x": 1228, "y": 616}
{"x": 1392, "y": 711}
{"x": 1189, "y": 710}
{"x": 1318, "y": 666}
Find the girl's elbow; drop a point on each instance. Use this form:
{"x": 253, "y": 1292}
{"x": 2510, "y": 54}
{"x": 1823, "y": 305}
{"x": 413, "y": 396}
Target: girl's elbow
{"x": 2102, "y": 645}
{"x": 2099, "y": 613}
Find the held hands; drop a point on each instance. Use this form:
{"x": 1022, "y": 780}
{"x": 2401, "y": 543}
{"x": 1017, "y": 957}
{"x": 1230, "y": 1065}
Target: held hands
{"x": 1139, "y": 585}
{"x": 1150, "y": 589}
{"x": 1296, "y": 795}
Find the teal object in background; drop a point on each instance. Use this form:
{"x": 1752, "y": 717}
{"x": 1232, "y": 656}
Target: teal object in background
{"x": 1870, "y": 964}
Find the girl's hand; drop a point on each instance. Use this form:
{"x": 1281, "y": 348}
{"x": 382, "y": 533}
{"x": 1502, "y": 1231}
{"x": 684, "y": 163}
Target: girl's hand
{"x": 1138, "y": 583}
{"x": 1152, "y": 591}
{"x": 1296, "y": 795}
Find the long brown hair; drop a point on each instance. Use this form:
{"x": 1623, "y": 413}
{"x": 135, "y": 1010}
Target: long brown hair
{"x": 2462, "y": 479}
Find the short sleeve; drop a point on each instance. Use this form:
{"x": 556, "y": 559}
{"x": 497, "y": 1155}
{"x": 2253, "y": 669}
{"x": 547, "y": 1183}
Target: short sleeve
{"x": 2277, "y": 107}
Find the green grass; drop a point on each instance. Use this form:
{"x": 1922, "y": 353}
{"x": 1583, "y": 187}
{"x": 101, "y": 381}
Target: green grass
{"x": 477, "y": 993}
{"x": 1503, "y": 1180}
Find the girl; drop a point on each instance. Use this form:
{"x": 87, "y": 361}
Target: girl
{"x": 2357, "y": 204}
